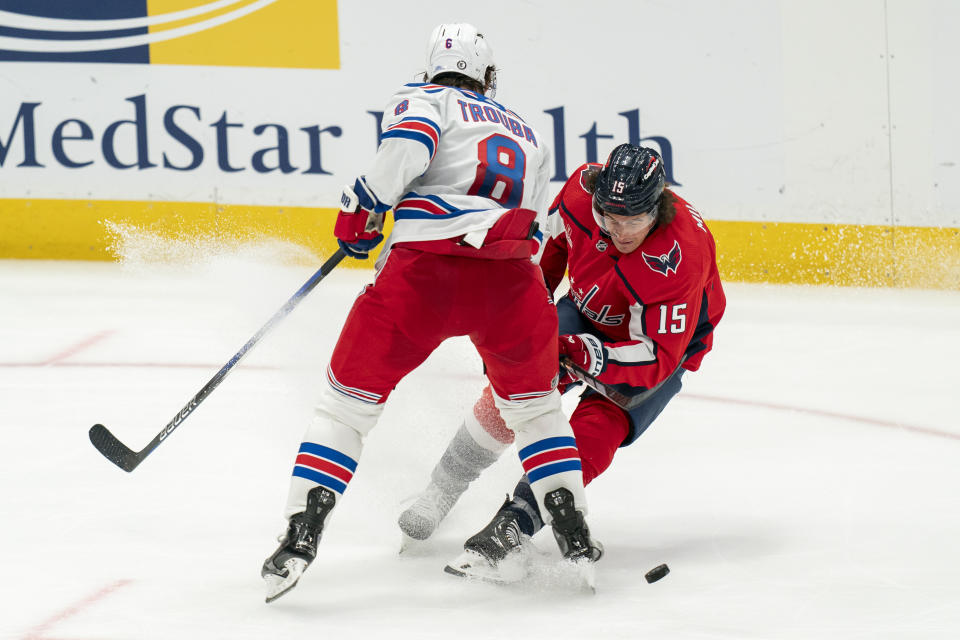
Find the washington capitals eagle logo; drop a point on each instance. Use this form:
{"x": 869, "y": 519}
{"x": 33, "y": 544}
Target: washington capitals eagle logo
{"x": 665, "y": 263}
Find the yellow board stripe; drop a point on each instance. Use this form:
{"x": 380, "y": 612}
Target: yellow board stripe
{"x": 81, "y": 229}
{"x": 285, "y": 34}
{"x": 848, "y": 255}
{"x": 781, "y": 253}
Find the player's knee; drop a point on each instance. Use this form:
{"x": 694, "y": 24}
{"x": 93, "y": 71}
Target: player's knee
{"x": 599, "y": 428}
{"x": 593, "y": 460}
{"x": 350, "y": 412}
{"x": 589, "y": 471}
{"x": 517, "y": 413}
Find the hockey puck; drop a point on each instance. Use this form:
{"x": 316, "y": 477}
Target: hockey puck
{"x": 656, "y": 573}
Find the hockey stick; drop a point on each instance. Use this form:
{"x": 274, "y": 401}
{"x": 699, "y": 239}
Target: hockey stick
{"x": 127, "y": 459}
{"x": 622, "y": 400}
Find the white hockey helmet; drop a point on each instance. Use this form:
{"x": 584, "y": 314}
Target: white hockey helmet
{"x": 459, "y": 48}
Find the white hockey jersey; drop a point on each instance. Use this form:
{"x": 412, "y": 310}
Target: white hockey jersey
{"x": 451, "y": 162}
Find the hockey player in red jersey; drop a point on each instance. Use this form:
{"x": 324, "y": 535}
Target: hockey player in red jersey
{"x": 644, "y": 299}
{"x": 467, "y": 181}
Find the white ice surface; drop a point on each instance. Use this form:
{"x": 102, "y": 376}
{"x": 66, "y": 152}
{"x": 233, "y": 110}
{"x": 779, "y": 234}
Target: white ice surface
{"x": 806, "y": 484}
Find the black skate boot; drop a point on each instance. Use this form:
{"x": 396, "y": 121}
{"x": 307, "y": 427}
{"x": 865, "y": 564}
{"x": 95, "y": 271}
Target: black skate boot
{"x": 570, "y": 529}
{"x": 495, "y": 553}
{"x": 298, "y": 547}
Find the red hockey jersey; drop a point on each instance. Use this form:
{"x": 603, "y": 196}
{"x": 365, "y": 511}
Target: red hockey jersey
{"x": 656, "y": 307}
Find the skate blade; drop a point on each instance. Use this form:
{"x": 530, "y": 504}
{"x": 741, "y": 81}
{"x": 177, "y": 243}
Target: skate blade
{"x": 473, "y": 566}
{"x": 279, "y": 585}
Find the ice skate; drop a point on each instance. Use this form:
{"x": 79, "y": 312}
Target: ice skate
{"x": 573, "y": 536}
{"x": 422, "y": 518}
{"x": 298, "y": 547}
{"x": 495, "y": 554}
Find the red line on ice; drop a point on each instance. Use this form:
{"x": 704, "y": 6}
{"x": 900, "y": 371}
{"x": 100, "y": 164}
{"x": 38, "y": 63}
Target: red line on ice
{"x": 828, "y": 414}
{"x": 77, "y": 348}
{"x": 133, "y": 365}
{"x": 36, "y": 633}
{"x": 58, "y": 359}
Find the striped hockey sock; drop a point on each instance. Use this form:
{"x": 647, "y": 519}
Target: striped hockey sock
{"x": 324, "y": 466}
{"x": 551, "y": 463}
{"x": 550, "y": 457}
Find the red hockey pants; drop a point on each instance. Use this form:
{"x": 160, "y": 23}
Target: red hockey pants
{"x": 420, "y": 299}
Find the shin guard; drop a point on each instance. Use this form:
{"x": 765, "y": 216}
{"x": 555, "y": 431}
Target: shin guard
{"x": 331, "y": 447}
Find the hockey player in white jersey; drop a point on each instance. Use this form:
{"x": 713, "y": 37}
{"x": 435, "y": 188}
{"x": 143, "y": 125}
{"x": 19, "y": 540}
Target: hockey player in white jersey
{"x": 467, "y": 179}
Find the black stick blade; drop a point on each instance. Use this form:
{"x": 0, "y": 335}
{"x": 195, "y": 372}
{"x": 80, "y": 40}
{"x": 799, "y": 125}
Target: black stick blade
{"x": 112, "y": 449}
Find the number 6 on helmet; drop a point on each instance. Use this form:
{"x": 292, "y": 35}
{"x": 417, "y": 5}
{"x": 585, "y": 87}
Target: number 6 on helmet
{"x": 459, "y": 48}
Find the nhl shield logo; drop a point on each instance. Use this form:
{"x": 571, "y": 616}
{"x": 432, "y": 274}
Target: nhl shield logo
{"x": 665, "y": 263}
{"x": 602, "y": 245}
